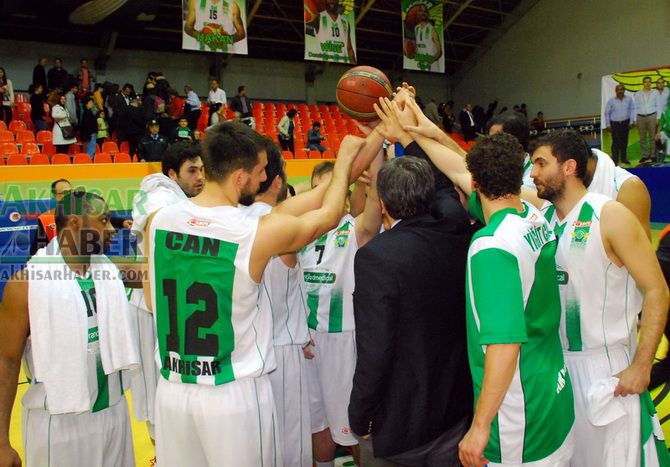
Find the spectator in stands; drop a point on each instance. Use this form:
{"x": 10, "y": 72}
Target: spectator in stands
{"x": 663, "y": 95}
{"x": 71, "y": 104}
{"x": 61, "y": 119}
{"x": 103, "y": 130}
{"x": 448, "y": 117}
{"x": 150, "y": 80}
{"x": 491, "y": 110}
{"x": 85, "y": 77}
{"x": 150, "y": 104}
{"x": 468, "y": 124}
{"x": 646, "y": 106}
{"x": 97, "y": 97}
{"x": 40, "y": 73}
{"x": 314, "y": 138}
{"x": 53, "y": 97}
{"x": 285, "y": 130}
{"x": 192, "y": 109}
{"x": 182, "y": 132}
{"x": 539, "y": 123}
{"x": 120, "y": 103}
{"x": 152, "y": 145}
{"x": 89, "y": 126}
{"x": 57, "y": 76}
{"x": 219, "y": 116}
{"x": 174, "y": 110}
{"x": 216, "y": 99}
{"x": 37, "y": 113}
{"x": 162, "y": 86}
{"x": 242, "y": 104}
{"x": 6, "y": 97}
{"x": 619, "y": 118}
{"x": 431, "y": 112}
{"x": 524, "y": 110}
{"x": 133, "y": 125}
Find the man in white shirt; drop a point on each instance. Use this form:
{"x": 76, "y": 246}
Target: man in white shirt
{"x": 647, "y": 104}
{"x": 216, "y": 99}
{"x": 663, "y": 95}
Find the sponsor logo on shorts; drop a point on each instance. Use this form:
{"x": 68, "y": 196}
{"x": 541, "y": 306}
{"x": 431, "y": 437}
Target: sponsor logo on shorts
{"x": 346, "y": 430}
{"x": 14, "y": 216}
{"x": 193, "y": 222}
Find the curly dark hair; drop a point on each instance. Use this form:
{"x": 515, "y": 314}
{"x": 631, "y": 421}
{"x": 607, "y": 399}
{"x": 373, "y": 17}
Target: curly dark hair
{"x": 565, "y": 145}
{"x": 496, "y": 165}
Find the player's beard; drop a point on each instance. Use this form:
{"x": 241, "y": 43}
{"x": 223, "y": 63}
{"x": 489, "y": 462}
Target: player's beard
{"x": 551, "y": 188}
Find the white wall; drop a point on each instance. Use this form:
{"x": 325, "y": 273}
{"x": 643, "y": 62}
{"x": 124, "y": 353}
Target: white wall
{"x": 537, "y": 61}
{"x": 264, "y": 79}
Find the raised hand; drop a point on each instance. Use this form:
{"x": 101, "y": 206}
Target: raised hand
{"x": 424, "y": 126}
{"x": 390, "y": 128}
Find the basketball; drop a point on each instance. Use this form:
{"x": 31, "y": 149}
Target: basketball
{"x": 313, "y": 8}
{"x": 412, "y": 18}
{"x": 409, "y": 48}
{"x": 359, "y": 88}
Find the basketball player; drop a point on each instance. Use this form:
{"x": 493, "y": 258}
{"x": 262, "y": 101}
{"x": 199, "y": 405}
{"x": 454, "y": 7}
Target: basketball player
{"x": 282, "y": 298}
{"x": 428, "y": 44}
{"x": 523, "y": 397}
{"x": 181, "y": 178}
{"x": 332, "y": 33}
{"x": 221, "y": 17}
{"x": 67, "y": 314}
{"x": 214, "y": 404}
{"x": 607, "y": 273}
{"x": 328, "y": 274}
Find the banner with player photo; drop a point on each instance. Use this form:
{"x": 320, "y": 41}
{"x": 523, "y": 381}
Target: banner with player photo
{"x": 423, "y": 32}
{"x": 330, "y": 31}
{"x": 215, "y": 26}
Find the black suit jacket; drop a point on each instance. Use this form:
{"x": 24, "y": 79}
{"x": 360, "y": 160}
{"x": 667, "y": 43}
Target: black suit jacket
{"x": 412, "y": 382}
{"x": 467, "y": 127}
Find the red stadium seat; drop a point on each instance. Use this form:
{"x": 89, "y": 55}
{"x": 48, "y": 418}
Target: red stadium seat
{"x": 110, "y": 147}
{"x": 3, "y": 126}
{"x": 16, "y": 125}
{"x": 314, "y": 154}
{"x": 6, "y": 136}
{"x": 328, "y": 154}
{"x": 102, "y": 158}
{"x": 25, "y": 136}
{"x": 39, "y": 159}
{"x": 49, "y": 149}
{"x": 8, "y": 148}
{"x": 122, "y": 158}
{"x": 287, "y": 155}
{"x": 61, "y": 159}
{"x": 74, "y": 149}
{"x": 125, "y": 147}
{"x": 16, "y": 159}
{"x": 44, "y": 136}
{"x": 81, "y": 158}
{"x": 30, "y": 148}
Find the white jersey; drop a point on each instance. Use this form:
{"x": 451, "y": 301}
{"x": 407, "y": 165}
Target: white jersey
{"x": 607, "y": 178}
{"x": 215, "y": 12}
{"x": 527, "y": 181}
{"x": 426, "y": 48}
{"x": 328, "y": 276}
{"x": 209, "y": 327}
{"x": 282, "y": 295}
{"x": 599, "y": 300}
{"x": 329, "y": 30}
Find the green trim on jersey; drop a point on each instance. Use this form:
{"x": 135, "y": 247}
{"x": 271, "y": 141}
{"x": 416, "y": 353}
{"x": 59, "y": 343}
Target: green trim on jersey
{"x": 194, "y": 277}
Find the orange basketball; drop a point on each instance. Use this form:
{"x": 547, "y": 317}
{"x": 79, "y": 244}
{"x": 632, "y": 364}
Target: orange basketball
{"x": 359, "y": 88}
{"x": 412, "y": 18}
{"x": 313, "y": 8}
{"x": 410, "y": 48}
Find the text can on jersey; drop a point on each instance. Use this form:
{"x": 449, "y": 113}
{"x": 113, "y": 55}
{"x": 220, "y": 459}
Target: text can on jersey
{"x": 215, "y": 26}
{"x": 330, "y": 33}
{"x": 423, "y": 32}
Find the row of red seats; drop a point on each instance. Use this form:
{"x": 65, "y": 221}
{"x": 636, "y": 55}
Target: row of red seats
{"x": 308, "y": 154}
{"x": 78, "y": 158}
{"x": 25, "y": 136}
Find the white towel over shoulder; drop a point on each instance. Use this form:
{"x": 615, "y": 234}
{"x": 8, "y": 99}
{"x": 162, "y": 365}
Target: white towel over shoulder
{"x": 59, "y": 332}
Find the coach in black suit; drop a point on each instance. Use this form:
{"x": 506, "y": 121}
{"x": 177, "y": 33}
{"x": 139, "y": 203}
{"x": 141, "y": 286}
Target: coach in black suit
{"x": 468, "y": 123}
{"x": 412, "y": 392}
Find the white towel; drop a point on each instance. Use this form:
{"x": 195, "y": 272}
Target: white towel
{"x": 604, "y": 177}
{"x": 603, "y": 408}
{"x": 59, "y": 327}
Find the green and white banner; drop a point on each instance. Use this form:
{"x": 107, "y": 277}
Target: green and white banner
{"x": 423, "y": 33}
{"x": 330, "y": 31}
{"x": 215, "y": 26}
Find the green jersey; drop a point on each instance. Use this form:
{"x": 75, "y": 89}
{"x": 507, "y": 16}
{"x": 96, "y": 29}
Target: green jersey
{"x": 512, "y": 297}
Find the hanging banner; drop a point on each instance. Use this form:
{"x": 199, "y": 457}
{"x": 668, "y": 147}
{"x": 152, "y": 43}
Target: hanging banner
{"x": 330, "y": 33}
{"x": 215, "y": 26}
{"x": 422, "y": 26}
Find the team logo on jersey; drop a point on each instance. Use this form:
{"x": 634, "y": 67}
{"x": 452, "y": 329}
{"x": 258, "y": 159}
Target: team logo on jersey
{"x": 193, "y": 222}
{"x": 562, "y": 277}
{"x": 342, "y": 236}
{"x": 52, "y": 226}
{"x": 15, "y": 217}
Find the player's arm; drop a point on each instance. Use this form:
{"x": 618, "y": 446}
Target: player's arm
{"x": 635, "y": 196}
{"x": 350, "y": 48}
{"x": 359, "y": 195}
{"x": 240, "y": 32}
{"x": 369, "y": 222}
{"x": 189, "y": 24}
{"x": 627, "y": 245}
{"x": 148, "y": 251}
{"x": 279, "y": 233}
{"x": 14, "y": 329}
{"x": 438, "y": 46}
{"x": 499, "y": 366}
{"x": 376, "y": 299}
